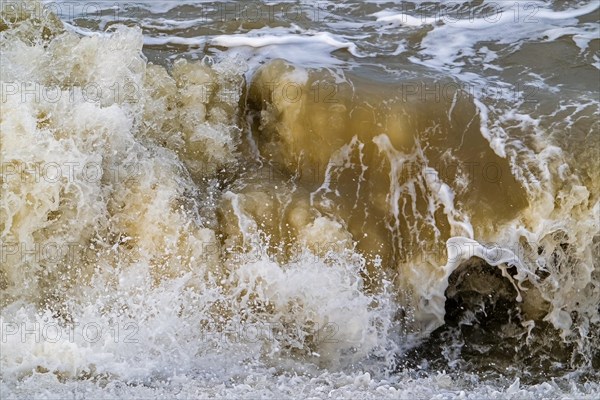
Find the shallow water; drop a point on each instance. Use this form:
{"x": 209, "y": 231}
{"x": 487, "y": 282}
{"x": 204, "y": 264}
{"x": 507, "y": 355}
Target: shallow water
{"x": 300, "y": 199}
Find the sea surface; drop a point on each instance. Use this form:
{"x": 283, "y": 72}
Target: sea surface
{"x": 300, "y": 199}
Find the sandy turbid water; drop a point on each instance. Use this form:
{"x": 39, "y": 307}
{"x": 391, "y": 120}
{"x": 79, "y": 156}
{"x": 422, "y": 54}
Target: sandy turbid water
{"x": 300, "y": 200}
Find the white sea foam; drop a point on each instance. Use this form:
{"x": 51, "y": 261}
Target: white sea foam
{"x": 169, "y": 286}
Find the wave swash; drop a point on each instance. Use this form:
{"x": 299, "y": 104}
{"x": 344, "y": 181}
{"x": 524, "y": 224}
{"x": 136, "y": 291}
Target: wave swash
{"x": 255, "y": 222}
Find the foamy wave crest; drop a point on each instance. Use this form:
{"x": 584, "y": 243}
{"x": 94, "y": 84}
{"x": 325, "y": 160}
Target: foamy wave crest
{"x": 114, "y": 259}
{"x": 195, "y": 219}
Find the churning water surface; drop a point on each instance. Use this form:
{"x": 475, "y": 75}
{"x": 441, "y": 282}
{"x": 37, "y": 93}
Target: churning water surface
{"x": 300, "y": 199}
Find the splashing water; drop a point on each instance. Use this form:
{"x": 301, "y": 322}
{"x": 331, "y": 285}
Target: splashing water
{"x": 277, "y": 207}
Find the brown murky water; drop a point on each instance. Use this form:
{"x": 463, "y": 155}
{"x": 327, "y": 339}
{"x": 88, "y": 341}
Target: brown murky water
{"x": 384, "y": 186}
